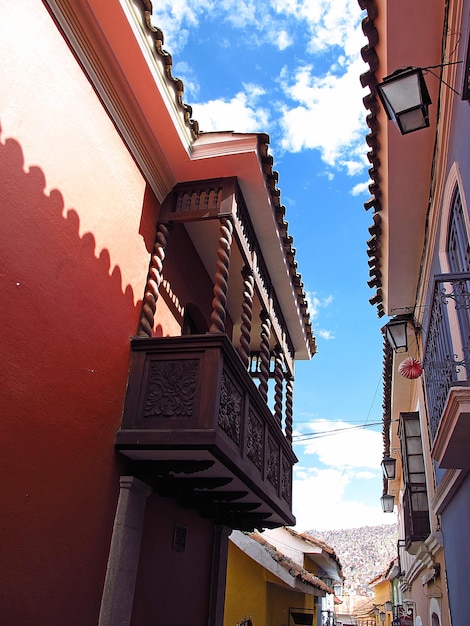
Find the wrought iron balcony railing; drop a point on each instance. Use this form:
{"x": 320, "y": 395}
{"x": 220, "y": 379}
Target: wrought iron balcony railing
{"x": 447, "y": 350}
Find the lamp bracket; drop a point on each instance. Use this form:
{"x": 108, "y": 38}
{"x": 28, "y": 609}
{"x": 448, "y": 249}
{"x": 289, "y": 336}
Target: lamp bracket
{"x": 431, "y": 67}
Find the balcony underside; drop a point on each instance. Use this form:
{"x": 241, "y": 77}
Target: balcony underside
{"x": 197, "y": 429}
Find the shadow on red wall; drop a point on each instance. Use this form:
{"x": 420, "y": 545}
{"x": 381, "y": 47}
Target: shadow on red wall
{"x": 64, "y": 348}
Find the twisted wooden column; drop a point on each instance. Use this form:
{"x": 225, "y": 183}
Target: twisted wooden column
{"x": 154, "y": 279}
{"x": 247, "y": 315}
{"x": 265, "y": 354}
{"x": 219, "y": 302}
{"x": 278, "y": 387}
{"x": 289, "y": 407}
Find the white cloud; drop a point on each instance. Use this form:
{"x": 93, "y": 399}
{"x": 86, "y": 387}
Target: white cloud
{"x": 360, "y": 188}
{"x": 185, "y": 72}
{"x": 315, "y": 303}
{"x": 319, "y": 503}
{"x": 342, "y": 445}
{"x": 325, "y": 113}
{"x": 283, "y": 40}
{"x": 345, "y": 491}
{"x": 239, "y": 114}
{"x": 174, "y": 17}
{"x": 319, "y": 112}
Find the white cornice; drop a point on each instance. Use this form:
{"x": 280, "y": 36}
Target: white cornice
{"x": 79, "y": 25}
{"x": 133, "y": 11}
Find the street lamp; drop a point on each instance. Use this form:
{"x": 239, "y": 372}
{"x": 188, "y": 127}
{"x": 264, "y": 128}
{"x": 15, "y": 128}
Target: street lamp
{"x": 406, "y": 99}
{"x": 388, "y": 503}
{"x": 389, "y": 466}
{"x": 397, "y": 333}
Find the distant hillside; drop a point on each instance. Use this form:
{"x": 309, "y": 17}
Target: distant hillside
{"x": 364, "y": 552}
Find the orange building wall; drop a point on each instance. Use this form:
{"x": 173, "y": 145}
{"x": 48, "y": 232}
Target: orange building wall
{"x": 254, "y": 591}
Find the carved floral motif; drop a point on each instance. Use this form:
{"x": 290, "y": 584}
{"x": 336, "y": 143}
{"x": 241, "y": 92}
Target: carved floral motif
{"x": 286, "y": 481}
{"x": 273, "y": 462}
{"x": 254, "y": 445}
{"x": 171, "y": 389}
{"x": 230, "y": 409}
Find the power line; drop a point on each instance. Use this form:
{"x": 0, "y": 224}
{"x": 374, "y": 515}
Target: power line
{"x": 325, "y": 433}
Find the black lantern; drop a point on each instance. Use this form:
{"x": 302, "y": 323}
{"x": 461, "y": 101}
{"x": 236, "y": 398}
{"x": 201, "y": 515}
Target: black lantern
{"x": 389, "y": 466}
{"x": 388, "y": 503}
{"x": 406, "y": 99}
{"x": 397, "y": 334}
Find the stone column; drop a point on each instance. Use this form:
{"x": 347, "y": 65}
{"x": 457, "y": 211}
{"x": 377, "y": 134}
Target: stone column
{"x": 123, "y": 560}
{"x": 218, "y": 575}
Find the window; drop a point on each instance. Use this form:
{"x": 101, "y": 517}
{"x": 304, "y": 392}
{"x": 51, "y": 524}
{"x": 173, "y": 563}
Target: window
{"x": 458, "y": 246}
{"x": 458, "y": 255}
{"x": 415, "y": 498}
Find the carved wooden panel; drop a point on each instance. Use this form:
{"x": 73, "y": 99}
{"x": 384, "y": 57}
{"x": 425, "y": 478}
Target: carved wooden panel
{"x": 273, "y": 462}
{"x": 286, "y": 481}
{"x": 171, "y": 389}
{"x": 230, "y": 408}
{"x": 255, "y": 440}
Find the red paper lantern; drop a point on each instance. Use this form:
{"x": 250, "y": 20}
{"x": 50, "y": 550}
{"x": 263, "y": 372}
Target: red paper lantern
{"x": 410, "y": 368}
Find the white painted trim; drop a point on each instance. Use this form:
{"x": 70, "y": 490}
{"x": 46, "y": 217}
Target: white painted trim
{"x": 434, "y": 607}
{"x": 151, "y": 162}
{"x": 146, "y": 45}
{"x": 454, "y": 179}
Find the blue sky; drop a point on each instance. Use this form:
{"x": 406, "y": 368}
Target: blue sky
{"x": 291, "y": 68}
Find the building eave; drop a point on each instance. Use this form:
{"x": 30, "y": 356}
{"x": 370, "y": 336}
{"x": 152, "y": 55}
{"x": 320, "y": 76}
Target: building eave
{"x": 400, "y": 165}
{"x": 123, "y": 55}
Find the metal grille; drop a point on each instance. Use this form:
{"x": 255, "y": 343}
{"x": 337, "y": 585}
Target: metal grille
{"x": 447, "y": 353}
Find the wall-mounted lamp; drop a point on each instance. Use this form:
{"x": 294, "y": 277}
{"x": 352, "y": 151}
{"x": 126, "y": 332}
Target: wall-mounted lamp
{"x": 396, "y": 332}
{"x": 389, "y": 466}
{"x": 406, "y": 98}
{"x": 388, "y": 503}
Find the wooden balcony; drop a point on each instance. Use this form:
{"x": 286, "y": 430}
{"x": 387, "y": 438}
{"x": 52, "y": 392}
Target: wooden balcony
{"x": 198, "y": 429}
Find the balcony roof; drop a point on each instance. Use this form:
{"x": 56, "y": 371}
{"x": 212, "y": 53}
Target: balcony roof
{"x": 123, "y": 55}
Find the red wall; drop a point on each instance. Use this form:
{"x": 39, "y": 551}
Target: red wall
{"x": 76, "y": 232}
{"x": 64, "y": 344}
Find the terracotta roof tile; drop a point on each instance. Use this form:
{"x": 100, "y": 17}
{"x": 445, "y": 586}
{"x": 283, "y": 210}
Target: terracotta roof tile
{"x": 177, "y": 84}
{"x": 316, "y": 542}
{"x": 371, "y": 103}
{"x": 289, "y": 565}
